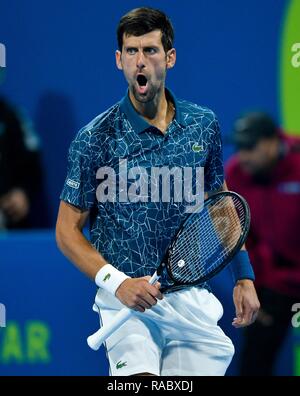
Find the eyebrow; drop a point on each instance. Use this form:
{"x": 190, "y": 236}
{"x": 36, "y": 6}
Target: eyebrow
{"x": 144, "y": 46}
{"x": 151, "y": 46}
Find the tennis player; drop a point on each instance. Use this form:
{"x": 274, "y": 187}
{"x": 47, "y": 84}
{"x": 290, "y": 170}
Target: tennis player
{"x": 149, "y": 128}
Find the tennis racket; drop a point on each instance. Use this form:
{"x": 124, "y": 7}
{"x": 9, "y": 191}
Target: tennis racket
{"x": 205, "y": 243}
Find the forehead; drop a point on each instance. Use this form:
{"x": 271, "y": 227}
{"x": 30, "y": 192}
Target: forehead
{"x": 148, "y": 39}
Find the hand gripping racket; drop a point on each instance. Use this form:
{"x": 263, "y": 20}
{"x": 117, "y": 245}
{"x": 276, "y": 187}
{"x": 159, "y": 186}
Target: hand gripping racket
{"x": 205, "y": 243}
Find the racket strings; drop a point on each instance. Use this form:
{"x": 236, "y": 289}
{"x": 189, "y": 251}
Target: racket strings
{"x": 188, "y": 271}
{"x": 199, "y": 228}
{"x": 213, "y": 250}
{"x": 192, "y": 254}
{"x": 207, "y": 240}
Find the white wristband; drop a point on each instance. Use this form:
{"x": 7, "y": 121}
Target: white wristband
{"x": 109, "y": 278}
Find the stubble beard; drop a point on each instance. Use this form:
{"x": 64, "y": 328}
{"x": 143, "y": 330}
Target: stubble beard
{"x": 148, "y": 97}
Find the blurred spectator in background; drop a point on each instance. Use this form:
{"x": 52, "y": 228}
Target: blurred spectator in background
{"x": 266, "y": 171}
{"x": 20, "y": 168}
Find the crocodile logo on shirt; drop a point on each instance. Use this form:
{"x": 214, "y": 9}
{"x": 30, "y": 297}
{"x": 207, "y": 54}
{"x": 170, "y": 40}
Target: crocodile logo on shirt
{"x": 120, "y": 365}
{"x": 106, "y": 278}
{"x": 197, "y": 148}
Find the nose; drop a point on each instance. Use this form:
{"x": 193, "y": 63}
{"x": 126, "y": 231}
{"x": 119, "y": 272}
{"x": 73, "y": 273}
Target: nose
{"x": 140, "y": 60}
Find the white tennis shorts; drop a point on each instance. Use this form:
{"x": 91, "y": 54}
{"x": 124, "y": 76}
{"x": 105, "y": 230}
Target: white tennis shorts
{"x": 179, "y": 336}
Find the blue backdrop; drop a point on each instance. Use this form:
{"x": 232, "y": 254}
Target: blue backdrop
{"x": 61, "y": 70}
{"x": 61, "y": 67}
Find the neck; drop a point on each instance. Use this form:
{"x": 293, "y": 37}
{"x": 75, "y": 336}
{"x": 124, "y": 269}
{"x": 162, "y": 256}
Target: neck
{"x": 158, "y": 112}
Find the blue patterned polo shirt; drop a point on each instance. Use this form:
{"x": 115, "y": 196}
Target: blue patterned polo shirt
{"x": 110, "y": 162}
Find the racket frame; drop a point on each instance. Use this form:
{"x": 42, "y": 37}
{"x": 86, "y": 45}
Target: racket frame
{"x": 166, "y": 260}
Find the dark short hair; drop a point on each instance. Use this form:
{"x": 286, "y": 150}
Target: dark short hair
{"x": 252, "y": 127}
{"x": 144, "y": 20}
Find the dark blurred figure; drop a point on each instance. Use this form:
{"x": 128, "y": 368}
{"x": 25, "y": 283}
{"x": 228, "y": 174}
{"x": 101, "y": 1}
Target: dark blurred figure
{"x": 55, "y": 117}
{"x": 266, "y": 171}
{"x": 20, "y": 169}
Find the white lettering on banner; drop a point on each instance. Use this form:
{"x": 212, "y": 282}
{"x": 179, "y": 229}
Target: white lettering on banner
{"x": 2, "y": 315}
{"x": 2, "y": 55}
{"x": 295, "y": 60}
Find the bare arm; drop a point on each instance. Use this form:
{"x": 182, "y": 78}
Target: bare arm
{"x": 222, "y": 188}
{"x": 135, "y": 293}
{"x": 244, "y": 293}
{"x": 72, "y": 242}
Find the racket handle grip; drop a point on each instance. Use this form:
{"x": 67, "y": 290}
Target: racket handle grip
{"x": 95, "y": 340}
{"x": 154, "y": 278}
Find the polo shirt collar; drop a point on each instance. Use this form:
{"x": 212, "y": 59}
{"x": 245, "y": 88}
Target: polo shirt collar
{"x": 138, "y": 123}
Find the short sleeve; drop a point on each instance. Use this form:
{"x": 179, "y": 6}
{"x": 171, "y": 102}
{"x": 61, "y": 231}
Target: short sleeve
{"x": 80, "y": 184}
{"x": 214, "y": 170}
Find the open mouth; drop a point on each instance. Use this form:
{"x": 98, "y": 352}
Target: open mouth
{"x": 142, "y": 84}
{"x": 142, "y": 80}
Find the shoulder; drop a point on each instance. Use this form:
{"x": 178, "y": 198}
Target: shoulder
{"x": 292, "y": 142}
{"x": 201, "y": 117}
{"x": 102, "y": 123}
{"x": 196, "y": 113}
{"x": 98, "y": 132}
{"x": 291, "y": 158}
{"x": 234, "y": 173}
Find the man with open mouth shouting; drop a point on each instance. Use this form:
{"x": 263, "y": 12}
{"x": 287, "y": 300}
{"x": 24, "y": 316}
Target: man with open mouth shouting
{"x": 144, "y": 60}
{"x": 131, "y": 228}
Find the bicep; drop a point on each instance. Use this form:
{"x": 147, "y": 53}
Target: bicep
{"x": 71, "y": 217}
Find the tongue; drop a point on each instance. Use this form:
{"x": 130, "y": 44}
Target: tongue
{"x": 142, "y": 89}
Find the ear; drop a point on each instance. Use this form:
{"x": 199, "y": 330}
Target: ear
{"x": 171, "y": 58}
{"x": 119, "y": 60}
